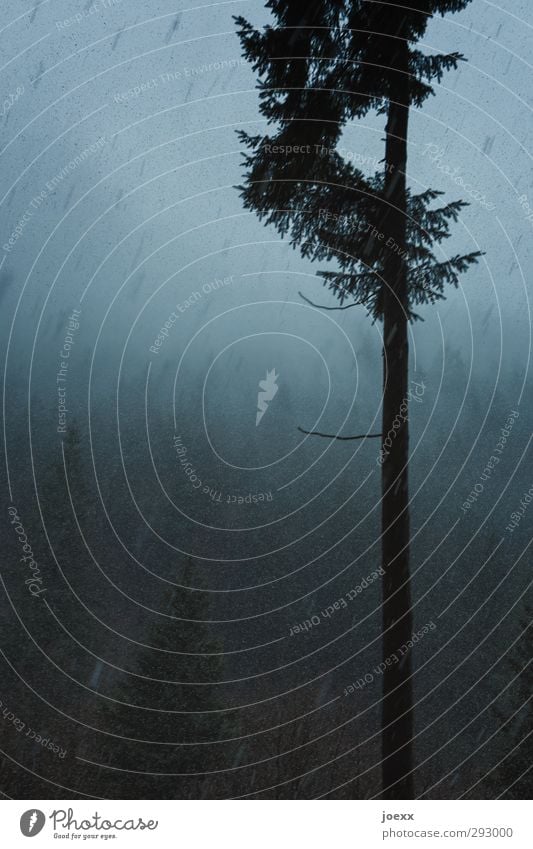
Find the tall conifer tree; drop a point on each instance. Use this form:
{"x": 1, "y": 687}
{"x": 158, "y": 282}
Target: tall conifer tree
{"x": 322, "y": 64}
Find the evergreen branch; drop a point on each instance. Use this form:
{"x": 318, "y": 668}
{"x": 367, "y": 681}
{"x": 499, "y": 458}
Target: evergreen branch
{"x": 322, "y": 307}
{"x": 343, "y": 438}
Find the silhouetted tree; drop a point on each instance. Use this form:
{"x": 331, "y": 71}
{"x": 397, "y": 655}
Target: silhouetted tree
{"x": 321, "y": 65}
{"x": 513, "y": 777}
{"x": 180, "y": 651}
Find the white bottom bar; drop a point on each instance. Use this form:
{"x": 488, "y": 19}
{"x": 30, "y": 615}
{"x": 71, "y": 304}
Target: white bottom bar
{"x": 267, "y": 824}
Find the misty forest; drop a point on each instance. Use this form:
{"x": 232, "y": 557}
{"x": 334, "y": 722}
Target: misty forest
{"x": 265, "y": 277}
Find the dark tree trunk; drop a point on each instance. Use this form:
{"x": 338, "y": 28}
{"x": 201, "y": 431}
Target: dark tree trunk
{"x": 397, "y": 709}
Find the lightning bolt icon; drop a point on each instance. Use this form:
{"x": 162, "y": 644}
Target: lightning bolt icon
{"x": 268, "y": 389}
{"x": 33, "y": 820}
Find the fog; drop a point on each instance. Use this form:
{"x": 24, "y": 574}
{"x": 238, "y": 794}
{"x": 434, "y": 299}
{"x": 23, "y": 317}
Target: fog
{"x": 141, "y": 307}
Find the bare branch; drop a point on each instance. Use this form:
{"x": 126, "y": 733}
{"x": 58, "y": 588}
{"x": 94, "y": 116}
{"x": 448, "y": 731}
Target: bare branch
{"x": 321, "y": 307}
{"x": 334, "y": 436}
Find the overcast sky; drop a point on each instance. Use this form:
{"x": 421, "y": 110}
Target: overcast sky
{"x": 148, "y": 213}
